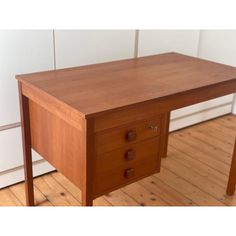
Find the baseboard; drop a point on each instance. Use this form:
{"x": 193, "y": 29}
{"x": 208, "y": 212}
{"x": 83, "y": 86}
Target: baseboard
{"x": 16, "y": 175}
{"x": 198, "y": 117}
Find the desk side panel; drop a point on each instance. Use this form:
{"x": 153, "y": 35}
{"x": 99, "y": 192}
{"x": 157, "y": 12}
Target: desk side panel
{"x": 60, "y": 143}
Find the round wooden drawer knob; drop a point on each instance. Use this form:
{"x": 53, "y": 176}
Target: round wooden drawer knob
{"x": 130, "y": 155}
{"x": 129, "y": 173}
{"x": 131, "y": 135}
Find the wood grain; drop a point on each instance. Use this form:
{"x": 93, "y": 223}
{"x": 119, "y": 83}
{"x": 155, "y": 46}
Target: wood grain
{"x": 118, "y": 137}
{"x": 95, "y": 89}
{"x": 7, "y": 198}
{"x": 116, "y": 178}
{"x": 165, "y": 123}
{"x": 58, "y": 142}
{"x": 232, "y": 174}
{"x": 40, "y": 198}
{"x": 26, "y": 146}
{"x": 148, "y": 149}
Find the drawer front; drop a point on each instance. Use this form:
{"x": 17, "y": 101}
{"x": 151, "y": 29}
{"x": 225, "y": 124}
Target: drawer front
{"x": 116, "y": 178}
{"x": 128, "y": 155}
{"x": 122, "y": 117}
{"x": 125, "y": 135}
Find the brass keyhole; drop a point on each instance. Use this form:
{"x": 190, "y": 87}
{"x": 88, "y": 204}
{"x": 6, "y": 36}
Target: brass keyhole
{"x": 153, "y": 127}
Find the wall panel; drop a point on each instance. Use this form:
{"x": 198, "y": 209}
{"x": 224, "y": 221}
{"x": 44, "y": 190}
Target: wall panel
{"x": 11, "y": 158}
{"x": 161, "y": 41}
{"x": 21, "y": 51}
{"x": 82, "y": 47}
{"x": 219, "y": 46}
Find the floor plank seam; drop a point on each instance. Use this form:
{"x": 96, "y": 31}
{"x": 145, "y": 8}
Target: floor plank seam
{"x": 202, "y": 190}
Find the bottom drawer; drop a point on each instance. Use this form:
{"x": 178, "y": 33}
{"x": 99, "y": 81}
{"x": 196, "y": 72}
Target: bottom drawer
{"x": 122, "y": 175}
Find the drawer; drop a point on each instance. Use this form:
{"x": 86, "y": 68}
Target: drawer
{"x": 127, "y": 155}
{"x": 125, "y": 116}
{"x": 125, "y": 135}
{"x": 116, "y": 178}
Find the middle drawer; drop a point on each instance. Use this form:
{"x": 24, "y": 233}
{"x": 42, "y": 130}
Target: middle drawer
{"x": 125, "y": 135}
{"x": 128, "y": 155}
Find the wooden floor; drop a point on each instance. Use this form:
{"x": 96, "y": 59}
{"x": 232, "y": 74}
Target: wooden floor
{"x": 194, "y": 174}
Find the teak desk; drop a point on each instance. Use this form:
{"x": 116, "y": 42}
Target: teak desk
{"x": 104, "y": 126}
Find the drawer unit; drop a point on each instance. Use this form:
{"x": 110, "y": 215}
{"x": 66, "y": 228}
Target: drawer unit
{"x": 126, "y": 153}
{"x": 124, "y": 135}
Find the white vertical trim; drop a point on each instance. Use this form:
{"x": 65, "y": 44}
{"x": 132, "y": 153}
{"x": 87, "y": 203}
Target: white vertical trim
{"x": 136, "y": 41}
{"x": 199, "y": 42}
{"x": 234, "y": 104}
{"x": 54, "y": 50}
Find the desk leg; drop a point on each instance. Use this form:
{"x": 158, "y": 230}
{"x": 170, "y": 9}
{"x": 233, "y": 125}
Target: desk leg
{"x": 26, "y": 142}
{"x": 165, "y": 133}
{"x": 86, "y": 200}
{"x": 232, "y": 174}
{"x": 87, "y": 164}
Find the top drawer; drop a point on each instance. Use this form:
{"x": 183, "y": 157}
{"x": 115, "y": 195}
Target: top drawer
{"x": 124, "y": 135}
{"x": 125, "y": 116}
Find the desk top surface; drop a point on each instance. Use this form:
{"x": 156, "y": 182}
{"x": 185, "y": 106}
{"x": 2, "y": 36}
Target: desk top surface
{"x": 101, "y": 87}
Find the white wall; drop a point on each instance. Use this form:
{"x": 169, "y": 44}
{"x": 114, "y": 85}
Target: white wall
{"x": 21, "y": 51}
{"x": 161, "y": 41}
{"x": 28, "y": 51}
{"x": 83, "y": 47}
{"x": 219, "y": 46}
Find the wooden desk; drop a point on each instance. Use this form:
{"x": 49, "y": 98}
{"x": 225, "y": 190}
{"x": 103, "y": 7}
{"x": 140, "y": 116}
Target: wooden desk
{"x": 104, "y": 126}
